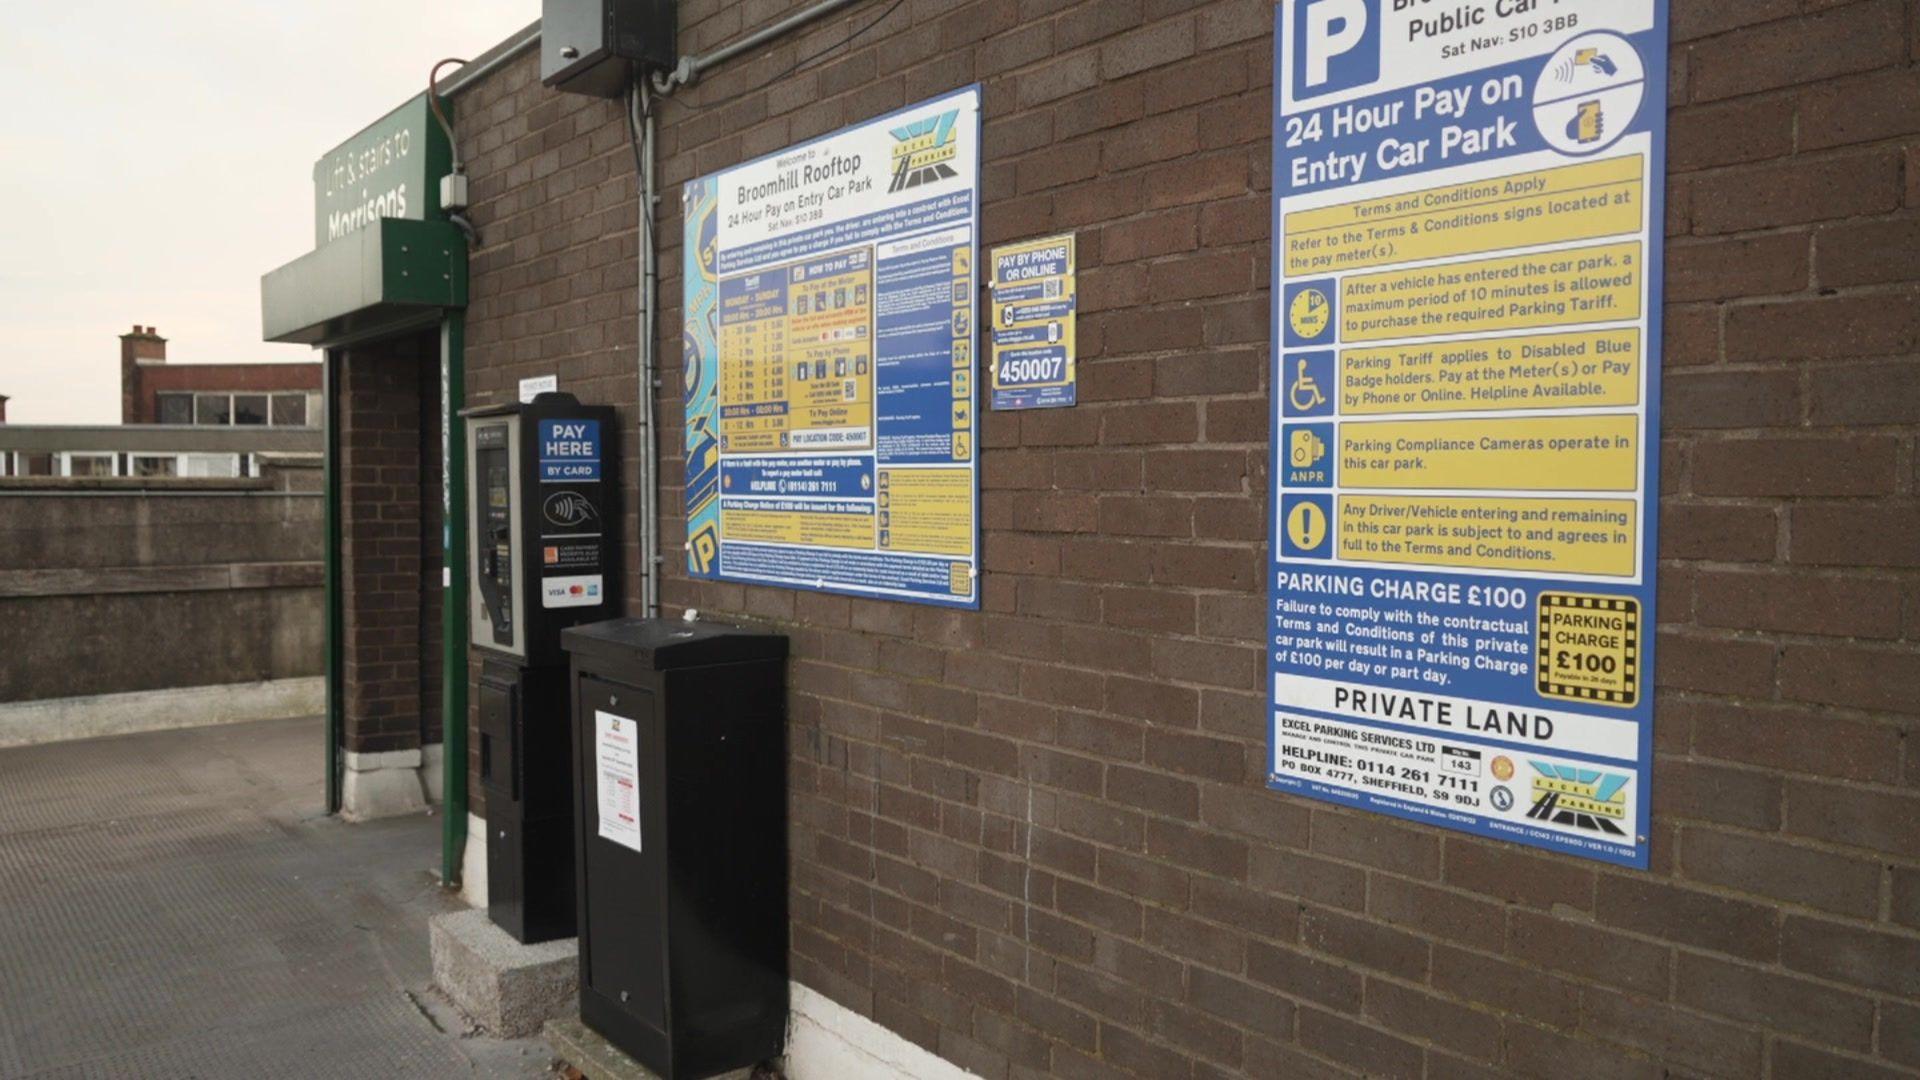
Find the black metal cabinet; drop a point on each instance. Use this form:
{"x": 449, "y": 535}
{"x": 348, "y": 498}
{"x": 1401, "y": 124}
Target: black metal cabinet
{"x": 682, "y": 913}
{"x": 526, "y": 772}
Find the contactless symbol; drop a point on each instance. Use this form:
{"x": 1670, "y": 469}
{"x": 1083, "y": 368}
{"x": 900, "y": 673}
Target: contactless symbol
{"x": 1589, "y": 92}
{"x": 1306, "y": 531}
{"x": 1502, "y": 799}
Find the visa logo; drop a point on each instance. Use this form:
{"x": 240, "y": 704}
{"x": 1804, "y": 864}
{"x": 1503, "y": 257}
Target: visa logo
{"x": 1336, "y": 45}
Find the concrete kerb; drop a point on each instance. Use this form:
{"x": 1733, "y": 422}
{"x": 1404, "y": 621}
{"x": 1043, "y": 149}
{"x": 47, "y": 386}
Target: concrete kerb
{"x": 26, "y": 723}
{"x": 507, "y": 989}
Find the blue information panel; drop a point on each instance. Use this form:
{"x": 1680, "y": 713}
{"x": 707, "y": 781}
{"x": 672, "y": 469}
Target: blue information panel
{"x": 830, "y": 361}
{"x": 1467, "y": 283}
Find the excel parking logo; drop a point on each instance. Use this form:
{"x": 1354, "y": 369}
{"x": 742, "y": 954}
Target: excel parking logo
{"x": 1583, "y": 798}
{"x": 923, "y": 149}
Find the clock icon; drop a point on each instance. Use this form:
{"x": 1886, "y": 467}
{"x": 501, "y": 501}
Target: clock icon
{"x": 1310, "y": 313}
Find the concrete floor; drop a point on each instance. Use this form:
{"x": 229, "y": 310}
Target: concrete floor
{"x": 175, "y": 904}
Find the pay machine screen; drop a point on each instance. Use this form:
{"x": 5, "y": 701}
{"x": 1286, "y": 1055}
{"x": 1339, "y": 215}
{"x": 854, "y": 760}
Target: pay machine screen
{"x": 494, "y": 508}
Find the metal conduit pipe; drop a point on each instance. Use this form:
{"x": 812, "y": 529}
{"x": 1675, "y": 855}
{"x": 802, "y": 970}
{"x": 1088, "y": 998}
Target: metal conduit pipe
{"x": 492, "y": 60}
{"x": 690, "y": 67}
{"x": 640, "y": 115}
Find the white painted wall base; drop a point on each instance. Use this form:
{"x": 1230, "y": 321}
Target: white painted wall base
{"x": 828, "y": 1041}
{"x": 433, "y": 775}
{"x": 382, "y": 785}
{"x": 473, "y": 863}
{"x": 25, "y": 723}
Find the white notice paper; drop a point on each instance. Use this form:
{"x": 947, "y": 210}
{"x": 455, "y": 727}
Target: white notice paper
{"x": 617, "y": 761}
{"x": 539, "y": 384}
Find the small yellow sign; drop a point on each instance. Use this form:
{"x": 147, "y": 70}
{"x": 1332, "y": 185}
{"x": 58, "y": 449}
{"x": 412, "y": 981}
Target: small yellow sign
{"x": 1035, "y": 298}
{"x": 1589, "y": 648}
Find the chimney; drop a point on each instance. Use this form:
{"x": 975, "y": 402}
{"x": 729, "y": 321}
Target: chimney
{"x": 142, "y": 346}
{"x": 3, "y": 408}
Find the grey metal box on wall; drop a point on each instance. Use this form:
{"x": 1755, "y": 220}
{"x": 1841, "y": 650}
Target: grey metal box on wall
{"x": 593, "y": 46}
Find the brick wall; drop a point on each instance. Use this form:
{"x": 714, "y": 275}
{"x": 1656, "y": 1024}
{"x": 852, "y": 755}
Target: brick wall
{"x": 390, "y": 533}
{"x": 1036, "y": 840}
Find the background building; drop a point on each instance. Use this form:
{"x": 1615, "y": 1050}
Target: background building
{"x": 153, "y": 391}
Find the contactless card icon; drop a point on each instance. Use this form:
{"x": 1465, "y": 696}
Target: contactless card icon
{"x": 1310, "y": 310}
{"x": 1307, "y": 379}
{"x": 1306, "y": 527}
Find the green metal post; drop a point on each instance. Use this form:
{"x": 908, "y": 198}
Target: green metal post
{"x": 453, "y": 595}
{"x": 336, "y": 626}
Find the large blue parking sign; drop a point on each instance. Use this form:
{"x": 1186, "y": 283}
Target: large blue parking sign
{"x": 1465, "y": 471}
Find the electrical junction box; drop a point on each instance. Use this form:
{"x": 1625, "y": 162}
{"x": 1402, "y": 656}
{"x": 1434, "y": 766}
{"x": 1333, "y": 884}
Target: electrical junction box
{"x": 680, "y": 788}
{"x": 596, "y": 46}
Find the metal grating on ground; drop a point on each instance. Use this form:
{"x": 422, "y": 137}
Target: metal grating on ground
{"x": 172, "y": 905}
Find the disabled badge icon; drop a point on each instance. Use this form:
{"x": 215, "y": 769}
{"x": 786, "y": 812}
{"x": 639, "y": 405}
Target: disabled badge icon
{"x": 1301, "y": 382}
{"x": 1305, "y": 393}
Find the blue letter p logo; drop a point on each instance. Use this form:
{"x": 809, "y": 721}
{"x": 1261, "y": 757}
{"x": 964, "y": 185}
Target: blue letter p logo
{"x": 1336, "y": 45}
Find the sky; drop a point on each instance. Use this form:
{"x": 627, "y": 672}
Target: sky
{"x": 156, "y": 159}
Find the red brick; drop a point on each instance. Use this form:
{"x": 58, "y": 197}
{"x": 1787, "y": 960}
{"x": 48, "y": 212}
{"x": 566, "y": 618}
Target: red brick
{"x": 1728, "y": 269}
{"x": 1796, "y": 466}
{"x": 1855, "y": 324}
{"x": 1797, "y": 740}
{"x": 1689, "y": 917}
{"x": 1882, "y": 105}
{"x": 1882, "y": 822}
{"x": 1730, "y": 133}
{"x": 1841, "y": 534}
{"x": 1800, "y": 875}
{"x": 1857, "y": 37}
{"x": 1747, "y": 994}
{"x": 1859, "y": 677}
{"x": 1853, "y": 955}
{"x": 1798, "y": 603}
{"x": 1864, "y": 395}
{"x": 1718, "y": 398}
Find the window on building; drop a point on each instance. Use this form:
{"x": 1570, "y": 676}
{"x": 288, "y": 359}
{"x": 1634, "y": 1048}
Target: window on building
{"x": 289, "y": 410}
{"x": 250, "y": 409}
{"x": 36, "y": 464}
{"x": 166, "y": 465}
{"x": 213, "y": 409}
{"x": 89, "y": 465}
{"x": 176, "y": 408}
{"x": 223, "y": 466}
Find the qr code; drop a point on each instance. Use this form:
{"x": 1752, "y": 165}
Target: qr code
{"x": 1052, "y": 290}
